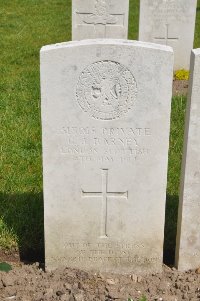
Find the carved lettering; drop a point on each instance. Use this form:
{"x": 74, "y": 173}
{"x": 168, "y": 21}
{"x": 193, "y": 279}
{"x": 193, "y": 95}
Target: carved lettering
{"x": 106, "y": 144}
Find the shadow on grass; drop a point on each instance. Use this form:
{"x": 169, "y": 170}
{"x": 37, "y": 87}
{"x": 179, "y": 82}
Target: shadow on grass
{"x": 22, "y": 216}
{"x": 171, "y": 216}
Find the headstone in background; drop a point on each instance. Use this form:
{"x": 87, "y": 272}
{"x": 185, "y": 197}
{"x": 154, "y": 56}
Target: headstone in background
{"x": 188, "y": 236}
{"x": 105, "y": 122}
{"x": 169, "y": 22}
{"x": 93, "y": 19}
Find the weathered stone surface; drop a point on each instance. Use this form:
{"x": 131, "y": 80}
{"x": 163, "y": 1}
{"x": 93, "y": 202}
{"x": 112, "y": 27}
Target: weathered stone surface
{"x": 169, "y": 22}
{"x": 93, "y": 19}
{"x": 188, "y": 236}
{"x": 105, "y": 122}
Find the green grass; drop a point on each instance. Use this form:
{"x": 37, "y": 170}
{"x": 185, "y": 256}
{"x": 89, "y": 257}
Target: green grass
{"x": 25, "y": 26}
{"x": 5, "y": 267}
{"x": 174, "y": 170}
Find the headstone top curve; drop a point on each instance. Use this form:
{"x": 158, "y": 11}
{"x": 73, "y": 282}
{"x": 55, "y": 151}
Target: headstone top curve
{"x": 117, "y": 42}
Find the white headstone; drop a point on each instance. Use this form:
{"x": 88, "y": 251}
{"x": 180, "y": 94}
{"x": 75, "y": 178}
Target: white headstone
{"x": 105, "y": 120}
{"x": 188, "y": 235}
{"x": 100, "y": 19}
{"x": 169, "y": 22}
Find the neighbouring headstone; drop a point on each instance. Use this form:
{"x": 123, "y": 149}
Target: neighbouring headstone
{"x": 169, "y": 22}
{"x": 100, "y": 19}
{"x": 105, "y": 123}
{"x": 188, "y": 234}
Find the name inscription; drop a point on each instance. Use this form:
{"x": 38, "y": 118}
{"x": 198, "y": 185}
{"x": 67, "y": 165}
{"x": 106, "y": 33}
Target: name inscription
{"x": 92, "y": 144}
{"x": 172, "y": 10}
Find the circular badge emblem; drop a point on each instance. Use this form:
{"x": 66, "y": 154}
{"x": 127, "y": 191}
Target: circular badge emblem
{"x": 106, "y": 90}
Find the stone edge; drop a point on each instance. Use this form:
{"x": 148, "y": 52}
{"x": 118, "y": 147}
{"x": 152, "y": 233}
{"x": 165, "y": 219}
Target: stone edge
{"x": 119, "y": 42}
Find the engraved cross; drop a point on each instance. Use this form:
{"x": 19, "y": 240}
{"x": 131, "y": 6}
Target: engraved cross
{"x": 167, "y": 37}
{"x": 104, "y": 195}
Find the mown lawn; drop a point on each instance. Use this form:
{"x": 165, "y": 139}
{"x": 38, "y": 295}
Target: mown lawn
{"x": 25, "y": 26}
